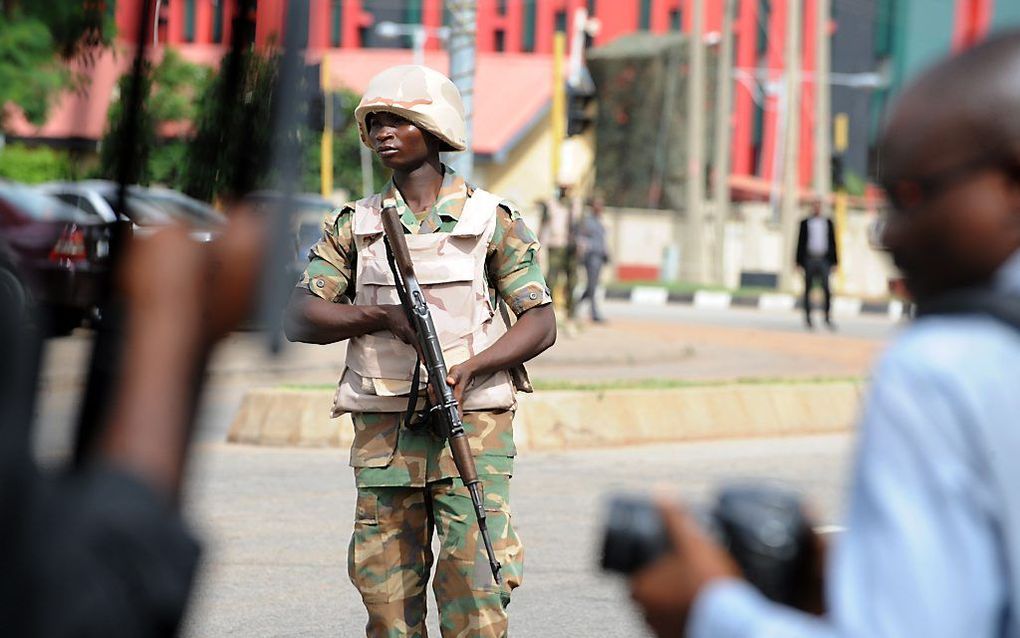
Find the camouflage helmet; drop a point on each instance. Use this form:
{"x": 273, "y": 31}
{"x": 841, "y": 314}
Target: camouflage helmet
{"x": 420, "y": 95}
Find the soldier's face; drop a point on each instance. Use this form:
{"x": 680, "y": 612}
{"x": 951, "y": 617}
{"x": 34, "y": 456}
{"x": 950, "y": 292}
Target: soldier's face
{"x": 400, "y": 144}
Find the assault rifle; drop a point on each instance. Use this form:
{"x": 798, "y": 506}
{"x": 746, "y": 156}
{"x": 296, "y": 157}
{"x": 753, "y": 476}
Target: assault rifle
{"x": 445, "y": 413}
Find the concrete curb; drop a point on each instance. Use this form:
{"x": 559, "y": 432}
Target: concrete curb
{"x": 561, "y": 420}
{"x": 718, "y": 300}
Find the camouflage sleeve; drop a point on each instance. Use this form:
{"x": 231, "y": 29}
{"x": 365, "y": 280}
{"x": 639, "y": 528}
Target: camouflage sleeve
{"x": 512, "y": 262}
{"x": 331, "y": 260}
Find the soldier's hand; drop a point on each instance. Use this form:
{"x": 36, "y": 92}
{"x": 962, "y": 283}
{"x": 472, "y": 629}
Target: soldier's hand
{"x": 666, "y": 590}
{"x": 459, "y": 379}
{"x": 398, "y": 323}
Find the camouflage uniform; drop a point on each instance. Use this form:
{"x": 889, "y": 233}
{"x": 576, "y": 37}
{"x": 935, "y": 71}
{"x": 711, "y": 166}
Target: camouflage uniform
{"x": 407, "y": 482}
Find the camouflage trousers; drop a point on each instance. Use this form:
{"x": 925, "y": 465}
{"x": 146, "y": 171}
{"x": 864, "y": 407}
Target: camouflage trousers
{"x": 391, "y": 556}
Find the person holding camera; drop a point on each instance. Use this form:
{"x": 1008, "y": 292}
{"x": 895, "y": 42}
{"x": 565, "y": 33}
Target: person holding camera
{"x": 932, "y": 546}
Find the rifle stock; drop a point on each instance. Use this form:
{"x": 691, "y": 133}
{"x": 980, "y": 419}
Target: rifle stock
{"x": 445, "y": 413}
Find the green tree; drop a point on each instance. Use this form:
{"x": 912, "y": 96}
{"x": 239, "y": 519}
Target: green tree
{"x": 170, "y": 89}
{"x": 346, "y": 154}
{"x": 114, "y": 145}
{"x": 230, "y": 151}
{"x": 34, "y": 165}
{"x": 37, "y": 38}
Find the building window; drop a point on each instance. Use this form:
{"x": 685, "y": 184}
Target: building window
{"x": 336, "y": 23}
{"x": 388, "y": 11}
{"x": 501, "y": 7}
{"x": 884, "y": 28}
{"x": 500, "y": 40}
{"x": 189, "y": 20}
{"x": 528, "y": 39}
{"x": 676, "y": 20}
{"x": 217, "y": 27}
{"x": 412, "y": 14}
{"x": 645, "y": 22}
{"x": 764, "y": 10}
{"x": 561, "y": 21}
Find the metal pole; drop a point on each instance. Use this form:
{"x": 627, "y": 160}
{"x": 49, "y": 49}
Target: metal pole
{"x": 559, "y": 105}
{"x": 724, "y": 99}
{"x": 419, "y": 37}
{"x": 693, "y": 259}
{"x": 327, "y": 130}
{"x": 155, "y": 24}
{"x": 789, "y": 211}
{"x": 823, "y": 126}
{"x": 462, "y": 72}
{"x": 841, "y": 142}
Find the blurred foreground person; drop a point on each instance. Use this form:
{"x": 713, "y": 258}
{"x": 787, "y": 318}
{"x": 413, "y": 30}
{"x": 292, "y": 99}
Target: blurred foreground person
{"x": 103, "y": 551}
{"x": 932, "y": 547}
{"x": 473, "y": 254}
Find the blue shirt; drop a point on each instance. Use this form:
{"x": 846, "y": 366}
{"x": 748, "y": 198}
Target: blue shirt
{"x": 932, "y": 548}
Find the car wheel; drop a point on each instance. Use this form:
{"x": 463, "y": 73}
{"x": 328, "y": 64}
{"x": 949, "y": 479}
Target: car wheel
{"x": 13, "y": 294}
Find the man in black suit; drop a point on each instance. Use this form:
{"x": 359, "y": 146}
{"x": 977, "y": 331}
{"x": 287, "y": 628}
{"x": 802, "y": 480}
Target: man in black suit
{"x": 816, "y": 256}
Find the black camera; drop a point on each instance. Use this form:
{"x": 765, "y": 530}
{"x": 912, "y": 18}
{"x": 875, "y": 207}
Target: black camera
{"x": 762, "y": 527}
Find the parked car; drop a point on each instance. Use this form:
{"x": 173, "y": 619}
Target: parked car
{"x": 307, "y": 213}
{"x": 53, "y": 258}
{"x": 145, "y": 207}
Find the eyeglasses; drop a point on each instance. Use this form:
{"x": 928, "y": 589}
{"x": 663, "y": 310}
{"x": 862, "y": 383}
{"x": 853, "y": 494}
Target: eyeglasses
{"x": 909, "y": 194}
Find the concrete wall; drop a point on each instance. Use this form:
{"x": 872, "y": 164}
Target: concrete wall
{"x": 639, "y": 240}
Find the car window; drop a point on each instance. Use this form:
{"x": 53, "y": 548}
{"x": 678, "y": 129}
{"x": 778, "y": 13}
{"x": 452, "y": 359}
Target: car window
{"x": 81, "y": 203}
{"x": 40, "y": 207}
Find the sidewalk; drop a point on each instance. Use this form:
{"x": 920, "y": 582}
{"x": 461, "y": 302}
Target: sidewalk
{"x": 623, "y": 349}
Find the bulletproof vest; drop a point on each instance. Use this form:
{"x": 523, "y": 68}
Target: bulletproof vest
{"x": 451, "y": 271}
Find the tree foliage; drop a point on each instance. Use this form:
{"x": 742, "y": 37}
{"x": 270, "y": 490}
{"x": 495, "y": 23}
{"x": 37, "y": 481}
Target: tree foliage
{"x": 346, "y": 154}
{"x": 117, "y": 152}
{"x": 230, "y": 151}
{"x": 37, "y": 38}
{"x": 170, "y": 90}
{"x": 35, "y": 165}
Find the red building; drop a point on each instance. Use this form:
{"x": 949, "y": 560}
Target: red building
{"x": 521, "y": 29}
{"x": 527, "y": 26}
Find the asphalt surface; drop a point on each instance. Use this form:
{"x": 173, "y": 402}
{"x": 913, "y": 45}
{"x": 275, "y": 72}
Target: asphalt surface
{"x": 277, "y": 523}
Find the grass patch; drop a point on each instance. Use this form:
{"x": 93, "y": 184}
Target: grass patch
{"x": 549, "y": 385}
{"x": 670, "y": 384}
{"x": 687, "y": 288}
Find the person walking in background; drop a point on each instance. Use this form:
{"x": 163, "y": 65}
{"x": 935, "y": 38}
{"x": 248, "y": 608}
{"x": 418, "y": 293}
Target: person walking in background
{"x": 556, "y": 233}
{"x": 816, "y": 256}
{"x": 593, "y": 253}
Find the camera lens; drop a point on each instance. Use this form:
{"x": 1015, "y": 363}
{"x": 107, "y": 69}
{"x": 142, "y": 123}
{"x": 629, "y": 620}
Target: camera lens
{"x": 635, "y": 534}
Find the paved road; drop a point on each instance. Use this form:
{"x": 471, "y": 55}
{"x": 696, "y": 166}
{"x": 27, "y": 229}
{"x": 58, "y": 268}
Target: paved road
{"x": 640, "y": 342}
{"x": 278, "y": 522}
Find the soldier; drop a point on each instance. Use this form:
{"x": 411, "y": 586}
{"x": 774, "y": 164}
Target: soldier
{"x": 557, "y": 234}
{"x": 472, "y": 252}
